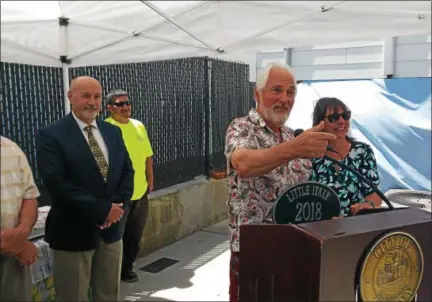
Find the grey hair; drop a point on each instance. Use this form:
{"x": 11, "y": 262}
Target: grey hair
{"x": 114, "y": 94}
{"x": 263, "y": 75}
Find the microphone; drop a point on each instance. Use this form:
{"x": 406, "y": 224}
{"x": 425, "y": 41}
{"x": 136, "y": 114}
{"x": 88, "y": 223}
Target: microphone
{"x": 297, "y": 132}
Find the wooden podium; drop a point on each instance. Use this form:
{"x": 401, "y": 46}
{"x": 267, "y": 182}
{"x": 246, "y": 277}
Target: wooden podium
{"x": 320, "y": 261}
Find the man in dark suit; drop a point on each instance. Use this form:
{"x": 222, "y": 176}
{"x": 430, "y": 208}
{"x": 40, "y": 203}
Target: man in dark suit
{"x": 86, "y": 168}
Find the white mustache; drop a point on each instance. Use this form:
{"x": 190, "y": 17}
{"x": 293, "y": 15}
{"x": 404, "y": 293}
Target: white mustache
{"x": 280, "y": 107}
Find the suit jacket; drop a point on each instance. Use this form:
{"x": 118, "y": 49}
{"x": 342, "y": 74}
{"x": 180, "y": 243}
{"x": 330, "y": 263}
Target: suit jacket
{"x": 81, "y": 200}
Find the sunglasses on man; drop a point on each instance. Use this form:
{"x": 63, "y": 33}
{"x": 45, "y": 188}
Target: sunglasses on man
{"x": 333, "y": 118}
{"x": 121, "y": 104}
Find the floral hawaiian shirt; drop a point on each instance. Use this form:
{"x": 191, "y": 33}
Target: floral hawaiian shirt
{"x": 251, "y": 199}
{"x": 349, "y": 188}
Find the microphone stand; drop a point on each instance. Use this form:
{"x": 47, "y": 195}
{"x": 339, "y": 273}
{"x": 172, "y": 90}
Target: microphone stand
{"x": 297, "y": 132}
{"x": 367, "y": 181}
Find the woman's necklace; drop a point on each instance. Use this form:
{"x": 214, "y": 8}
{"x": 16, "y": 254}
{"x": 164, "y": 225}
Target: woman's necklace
{"x": 340, "y": 156}
{"x": 337, "y": 167}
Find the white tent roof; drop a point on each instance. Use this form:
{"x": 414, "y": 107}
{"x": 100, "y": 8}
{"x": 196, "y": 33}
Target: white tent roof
{"x": 106, "y": 32}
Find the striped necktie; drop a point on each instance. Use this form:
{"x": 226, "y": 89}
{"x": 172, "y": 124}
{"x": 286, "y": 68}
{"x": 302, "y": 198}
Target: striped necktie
{"x": 97, "y": 152}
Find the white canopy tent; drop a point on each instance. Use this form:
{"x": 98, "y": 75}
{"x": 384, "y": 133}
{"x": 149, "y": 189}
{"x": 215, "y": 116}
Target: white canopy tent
{"x": 81, "y": 33}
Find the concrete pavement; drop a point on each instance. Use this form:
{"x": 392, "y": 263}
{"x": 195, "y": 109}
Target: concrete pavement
{"x": 201, "y": 273}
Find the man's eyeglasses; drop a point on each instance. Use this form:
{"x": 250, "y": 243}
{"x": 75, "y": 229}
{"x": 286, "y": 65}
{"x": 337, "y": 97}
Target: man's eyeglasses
{"x": 121, "y": 104}
{"x": 333, "y": 118}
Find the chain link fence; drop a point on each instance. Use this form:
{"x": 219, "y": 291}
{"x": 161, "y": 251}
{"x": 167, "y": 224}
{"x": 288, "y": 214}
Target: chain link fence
{"x": 168, "y": 97}
{"x": 185, "y": 104}
{"x": 31, "y": 97}
{"x": 231, "y": 96}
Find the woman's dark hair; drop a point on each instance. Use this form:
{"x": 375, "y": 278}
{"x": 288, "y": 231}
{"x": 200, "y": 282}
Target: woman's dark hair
{"x": 321, "y": 107}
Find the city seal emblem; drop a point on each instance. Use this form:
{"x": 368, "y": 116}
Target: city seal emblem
{"x": 392, "y": 270}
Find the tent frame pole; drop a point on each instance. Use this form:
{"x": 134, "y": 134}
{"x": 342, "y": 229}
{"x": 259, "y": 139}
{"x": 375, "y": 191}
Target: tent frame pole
{"x": 180, "y": 26}
{"x": 63, "y": 37}
{"x": 266, "y": 31}
{"x": 389, "y": 52}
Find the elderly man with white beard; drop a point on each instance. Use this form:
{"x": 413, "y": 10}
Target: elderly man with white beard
{"x": 264, "y": 157}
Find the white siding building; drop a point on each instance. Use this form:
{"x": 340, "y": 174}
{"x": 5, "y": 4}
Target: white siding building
{"x": 408, "y": 56}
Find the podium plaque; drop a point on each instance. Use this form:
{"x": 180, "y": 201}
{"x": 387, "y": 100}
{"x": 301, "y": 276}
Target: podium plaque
{"x": 306, "y": 202}
{"x": 392, "y": 269}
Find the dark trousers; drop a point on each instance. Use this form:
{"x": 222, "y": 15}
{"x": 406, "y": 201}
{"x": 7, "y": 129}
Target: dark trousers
{"x": 135, "y": 222}
{"x": 234, "y": 276}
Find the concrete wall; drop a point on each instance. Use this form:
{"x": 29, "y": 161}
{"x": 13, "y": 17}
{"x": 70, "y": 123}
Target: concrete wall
{"x": 179, "y": 211}
{"x": 408, "y": 56}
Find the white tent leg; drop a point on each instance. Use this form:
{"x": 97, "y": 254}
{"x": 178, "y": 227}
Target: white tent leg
{"x": 63, "y": 37}
{"x": 288, "y": 56}
{"x": 65, "y": 69}
{"x": 388, "y": 56}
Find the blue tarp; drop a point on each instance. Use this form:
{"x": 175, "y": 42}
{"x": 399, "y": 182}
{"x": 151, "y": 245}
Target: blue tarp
{"x": 392, "y": 115}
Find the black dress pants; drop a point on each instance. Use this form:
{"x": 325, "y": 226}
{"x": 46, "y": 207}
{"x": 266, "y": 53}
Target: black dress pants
{"x": 135, "y": 222}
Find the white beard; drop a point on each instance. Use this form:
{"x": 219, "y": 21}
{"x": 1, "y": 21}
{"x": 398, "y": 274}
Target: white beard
{"x": 278, "y": 119}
